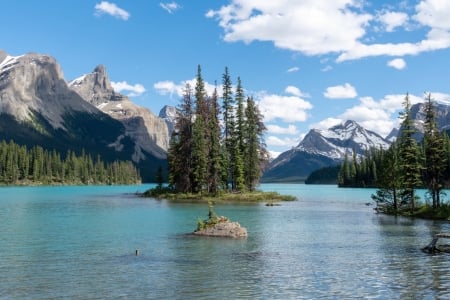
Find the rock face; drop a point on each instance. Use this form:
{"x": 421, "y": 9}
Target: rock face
{"x": 168, "y": 114}
{"x": 224, "y": 229}
{"x": 37, "y": 107}
{"x": 149, "y": 132}
{"x": 34, "y": 84}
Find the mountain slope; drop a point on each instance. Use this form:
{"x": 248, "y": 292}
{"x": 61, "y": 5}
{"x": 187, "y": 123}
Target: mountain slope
{"x": 38, "y": 108}
{"x": 322, "y": 148}
{"x": 148, "y": 131}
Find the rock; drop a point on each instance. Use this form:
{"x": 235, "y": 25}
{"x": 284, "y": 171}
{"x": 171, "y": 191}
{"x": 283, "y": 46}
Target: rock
{"x": 224, "y": 229}
{"x": 150, "y": 132}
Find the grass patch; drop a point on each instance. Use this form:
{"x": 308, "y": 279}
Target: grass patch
{"x": 222, "y": 197}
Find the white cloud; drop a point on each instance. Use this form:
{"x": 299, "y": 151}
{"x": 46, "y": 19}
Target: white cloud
{"x": 170, "y": 7}
{"x": 397, "y": 63}
{"x": 134, "y": 90}
{"x": 325, "y": 124}
{"x": 285, "y": 108}
{"x": 173, "y": 89}
{"x": 293, "y": 69}
{"x": 112, "y": 9}
{"x": 276, "y": 129}
{"x": 304, "y": 26}
{"x": 341, "y": 92}
{"x": 281, "y": 142}
{"x": 392, "y": 20}
{"x": 295, "y": 91}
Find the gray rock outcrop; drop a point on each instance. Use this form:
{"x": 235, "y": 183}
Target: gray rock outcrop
{"x": 224, "y": 229}
{"x": 149, "y": 131}
{"x": 34, "y": 83}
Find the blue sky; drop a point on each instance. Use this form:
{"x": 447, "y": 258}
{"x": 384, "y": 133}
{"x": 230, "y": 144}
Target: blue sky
{"x": 307, "y": 63}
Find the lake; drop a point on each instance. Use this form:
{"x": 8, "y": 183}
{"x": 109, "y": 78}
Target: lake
{"x": 80, "y": 242}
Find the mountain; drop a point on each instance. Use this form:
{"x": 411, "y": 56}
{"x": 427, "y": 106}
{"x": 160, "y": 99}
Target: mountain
{"x": 168, "y": 114}
{"x": 37, "y": 107}
{"x": 149, "y": 132}
{"x": 322, "y": 148}
{"x": 418, "y": 114}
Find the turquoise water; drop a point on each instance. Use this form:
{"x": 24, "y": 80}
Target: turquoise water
{"x": 80, "y": 242}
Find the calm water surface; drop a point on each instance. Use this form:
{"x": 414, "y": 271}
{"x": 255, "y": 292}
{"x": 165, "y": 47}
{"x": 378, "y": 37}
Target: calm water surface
{"x": 80, "y": 242}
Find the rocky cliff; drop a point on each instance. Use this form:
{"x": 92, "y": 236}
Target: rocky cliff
{"x": 149, "y": 132}
{"x": 37, "y": 107}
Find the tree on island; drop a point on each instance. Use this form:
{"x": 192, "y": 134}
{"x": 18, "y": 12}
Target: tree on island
{"x": 205, "y": 158}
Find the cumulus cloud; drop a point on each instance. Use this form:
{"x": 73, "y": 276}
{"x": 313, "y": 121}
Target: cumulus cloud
{"x": 133, "y": 90}
{"x": 284, "y": 108}
{"x": 392, "y": 20}
{"x": 170, "y": 7}
{"x": 276, "y": 129}
{"x": 293, "y": 90}
{"x": 304, "y": 26}
{"x": 281, "y": 142}
{"x": 293, "y": 69}
{"x": 345, "y": 91}
{"x": 111, "y": 9}
{"x": 397, "y": 63}
{"x": 171, "y": 88}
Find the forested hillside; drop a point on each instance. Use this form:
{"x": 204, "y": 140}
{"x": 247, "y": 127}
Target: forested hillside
{"x": 35, "y": 165}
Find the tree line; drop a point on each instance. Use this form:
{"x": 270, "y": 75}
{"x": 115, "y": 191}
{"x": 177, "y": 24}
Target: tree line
{"x": 23, "y": 165}
{"x": 216, "y": 147}
{"x": 406, "y": 165}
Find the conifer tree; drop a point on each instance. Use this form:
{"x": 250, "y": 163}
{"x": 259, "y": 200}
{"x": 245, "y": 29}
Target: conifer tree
{"x": 409, "y": 159}
{"x": 228, "y": 123}
{"x": 255, "y": 153}
{"x": 180, "y": 150}
{"x": 200, "y": 137}
{"x": 435, "y": 156}
{"x": 214, "y": 166}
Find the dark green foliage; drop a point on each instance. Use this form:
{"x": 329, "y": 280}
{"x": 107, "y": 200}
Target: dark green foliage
{"x": 327, "y": 175}
{"x": 409, "y": 158}
{"x": 435, "y": 156}
{"x": 21, "y": 165}
{"x": 204, "y": 159}
{"x": 95, "y": 133}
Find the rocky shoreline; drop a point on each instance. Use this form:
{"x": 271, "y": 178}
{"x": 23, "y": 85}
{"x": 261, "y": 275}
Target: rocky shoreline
{"x": 223, "y": 229}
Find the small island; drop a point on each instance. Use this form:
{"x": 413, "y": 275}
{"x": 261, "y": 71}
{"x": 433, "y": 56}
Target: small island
{"x": 216, "y": 226}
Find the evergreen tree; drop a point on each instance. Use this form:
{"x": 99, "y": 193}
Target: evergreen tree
{"x": 389, "y": 181}
{"x": 228, "y": 123}
{"x": 435, "y": 156}
{"x": 409, "y": 159}
{"x": 200, "y": 137}
{"x": 180, "y": 150}
{"x": 255, "y": 153}
{"x": 214, "y": 166}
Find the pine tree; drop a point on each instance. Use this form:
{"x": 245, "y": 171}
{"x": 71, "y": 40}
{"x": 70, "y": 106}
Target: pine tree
{"x": 255, "y": 153}
{"x": 214, "y": 165}
{"x": 409, "y": 159}
{"x": 180, "y": 150}
{"x": 200, "y": 137}
{"x": 228, "y": 123}
{"x": 435, "y": 156}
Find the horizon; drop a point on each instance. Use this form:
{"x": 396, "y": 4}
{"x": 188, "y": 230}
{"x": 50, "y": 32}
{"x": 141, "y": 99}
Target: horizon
{"x": 308, "y": 64}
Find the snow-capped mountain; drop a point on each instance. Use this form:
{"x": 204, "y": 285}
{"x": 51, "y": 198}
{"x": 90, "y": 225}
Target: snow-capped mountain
{"x": 37, "y": 107}
{"x": 168, "y": 114}
{"x": 323, "y": 148}
{"x": 148, "y": 130}
{"x": 341, "y": 140}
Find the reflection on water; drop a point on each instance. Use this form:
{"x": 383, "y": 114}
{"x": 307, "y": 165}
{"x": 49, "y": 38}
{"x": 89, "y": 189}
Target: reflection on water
{"x": 80, "y": 242}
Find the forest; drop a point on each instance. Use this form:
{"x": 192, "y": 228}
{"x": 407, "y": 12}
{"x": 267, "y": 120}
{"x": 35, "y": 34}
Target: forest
{"x": 406, "y": 165}
{"x": 20, "y": 165}
{"x": 216, "y": 147}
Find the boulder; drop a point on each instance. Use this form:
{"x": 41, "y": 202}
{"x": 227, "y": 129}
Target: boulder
{"x": 223, "y": 229}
